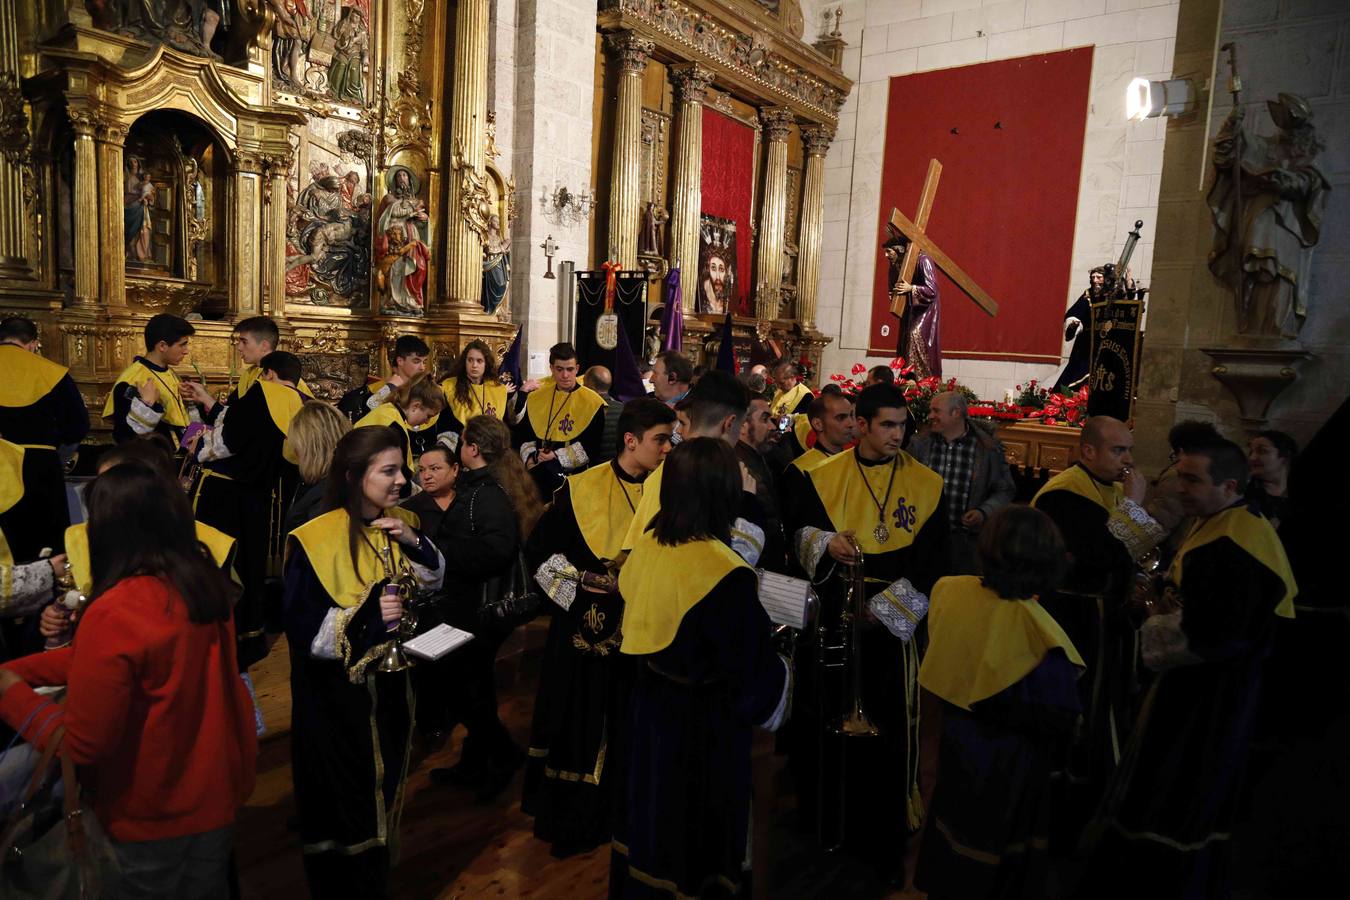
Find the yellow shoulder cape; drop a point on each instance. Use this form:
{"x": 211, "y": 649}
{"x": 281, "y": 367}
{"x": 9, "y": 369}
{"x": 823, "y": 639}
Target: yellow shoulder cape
{"x": 570, "y": 412}
{"x": 11, "y": 488}
{"x": 282, "y": 403}
{"x": 487, "y": 399}
{"x": 1076, "y": 480}
{"x": 27, "y": 377}
{"x": 810, "y": 459}
{"x": 1254, "y": 534}
{"x": 660, "y": 584}
{"x": 802, "y": 430}
{"x": 980, "y": 644}
{"x": 647, "y": 508}
{"x": 217, "y": 542}
{"x": 252, "y": 374}
{"x": 914, "y": 497}
{"x": 604, "y": 504}
{"x": 175, "y": 410}
{"x": 784, "y": 402}
{"x": 387, "y": 414}
{"x": 325, "y": 543}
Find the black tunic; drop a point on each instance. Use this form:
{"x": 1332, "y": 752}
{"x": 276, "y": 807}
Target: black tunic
{"x": 688, "y": 786}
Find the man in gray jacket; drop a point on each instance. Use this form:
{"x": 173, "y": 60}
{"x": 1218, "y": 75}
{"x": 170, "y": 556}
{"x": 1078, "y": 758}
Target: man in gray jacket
{"x": 975, "y": 474}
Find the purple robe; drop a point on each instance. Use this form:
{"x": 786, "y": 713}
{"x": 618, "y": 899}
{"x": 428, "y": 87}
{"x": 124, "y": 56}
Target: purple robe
{"x": 919, "y": 342}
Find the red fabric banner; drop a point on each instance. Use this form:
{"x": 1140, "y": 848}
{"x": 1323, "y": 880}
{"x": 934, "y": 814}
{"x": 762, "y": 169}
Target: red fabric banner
{"x": 1009, "y": 136}
{"x": 727, "y": 182}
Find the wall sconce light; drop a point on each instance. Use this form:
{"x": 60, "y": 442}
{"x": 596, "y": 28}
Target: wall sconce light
{"x": 563, "y": 207}
{"x": 1146, "y": 99}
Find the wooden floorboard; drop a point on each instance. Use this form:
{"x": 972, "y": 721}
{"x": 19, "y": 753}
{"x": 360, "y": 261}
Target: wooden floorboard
{"x": 449, "y": 847}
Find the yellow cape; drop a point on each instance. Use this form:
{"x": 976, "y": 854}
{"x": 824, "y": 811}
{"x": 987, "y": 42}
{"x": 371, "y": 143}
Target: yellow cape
{"x": 802, "y": 430}
{"x": 1254, "y": 534}
{"x": 326, "y": 544}
{"x": 784, "y": 402}
{"x": 27, "y": 377}
{"x": 661, "y": 584}
{"x": 647, "y": 508}
{"x": 253, "y": 374}
{"x": 11, "y": 487}
{"x": 810, "y": 459}
{"x": 980, "y": 644}
{"x": 1076, "y": 480}
{"x": 484, "y": 400}
{"x": 570, "y": 412}
{"x": 218, "y": 543}
{"x": 387, "y": 414}
{"x": 914, "y": 497}
{"x": 603, "y": 504}
{"x": 136, "y": 374}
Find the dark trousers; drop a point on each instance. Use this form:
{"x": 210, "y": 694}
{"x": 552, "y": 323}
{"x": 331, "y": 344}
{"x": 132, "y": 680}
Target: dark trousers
{"x": 192, "y": 867}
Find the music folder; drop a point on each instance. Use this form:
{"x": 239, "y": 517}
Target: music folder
{"x": 788, "y": 601}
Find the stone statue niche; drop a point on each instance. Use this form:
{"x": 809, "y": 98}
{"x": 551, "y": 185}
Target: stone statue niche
{"x": 1267, "y": 202}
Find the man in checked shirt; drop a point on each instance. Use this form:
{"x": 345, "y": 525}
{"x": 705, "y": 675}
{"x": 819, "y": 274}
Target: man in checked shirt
{"x": 975, "y": 474}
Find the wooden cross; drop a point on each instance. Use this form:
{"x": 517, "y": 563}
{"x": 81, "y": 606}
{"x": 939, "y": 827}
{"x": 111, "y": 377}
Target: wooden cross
{"x": 919, "y": 240}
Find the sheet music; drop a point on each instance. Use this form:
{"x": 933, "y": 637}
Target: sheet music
{"x": 437, "y": 642}
{"x": 787, "y": 600}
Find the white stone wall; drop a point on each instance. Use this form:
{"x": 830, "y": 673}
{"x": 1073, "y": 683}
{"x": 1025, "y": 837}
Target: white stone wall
{"x": 541, "y": 82}
{"x": 1122, "y": 162}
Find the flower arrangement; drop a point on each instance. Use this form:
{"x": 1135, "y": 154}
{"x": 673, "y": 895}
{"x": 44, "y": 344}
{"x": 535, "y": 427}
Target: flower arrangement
{"x": 1063, "y": 409}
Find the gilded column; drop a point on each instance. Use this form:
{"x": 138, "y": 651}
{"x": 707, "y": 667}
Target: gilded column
{"x": 111, "y": 135}
{"x": 466, "y": 215}
{"x": 274, "y": 245}
{"x": 242, "y": 244}
{"x": 86, "y": 212}
{"x": 816, "y": 139}
{"x": 16, "y": 153}
{"x": 772, "y": 214}
{"x": 691, "y": 86}
{"x": 630, "y": 53}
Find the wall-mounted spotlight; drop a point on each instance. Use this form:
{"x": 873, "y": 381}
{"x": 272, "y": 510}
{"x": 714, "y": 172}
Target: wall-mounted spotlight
{"x": 1146, "y": 99}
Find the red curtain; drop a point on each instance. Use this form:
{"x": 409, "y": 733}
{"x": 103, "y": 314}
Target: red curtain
{"x": 728, "y": 178}
{"x": 1009, "y": 136}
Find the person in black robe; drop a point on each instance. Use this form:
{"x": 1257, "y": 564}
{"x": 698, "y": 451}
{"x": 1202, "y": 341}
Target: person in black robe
{"x": 242, "y": 486}
{"x": 757, "y": 437}
{"x": 563, "y": 424}
{"x": 707, "y": 673}
{"x": 1005, "y": 677}
{"x": 1078, "y": 328}
{"x": 42, "y": 411}
{"x": 574, "y": 774}
{"x": 350, "y": 721}
{"x": 878, "y": 499}
{"x": 1164, "y": 828}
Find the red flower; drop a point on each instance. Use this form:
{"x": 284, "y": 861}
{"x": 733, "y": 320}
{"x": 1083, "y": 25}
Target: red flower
{"x": 837, "y": 377}
{"x": 859, "y": 368}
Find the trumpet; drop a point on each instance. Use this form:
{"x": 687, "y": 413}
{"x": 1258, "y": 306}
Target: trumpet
{"x": 853, "y": 721}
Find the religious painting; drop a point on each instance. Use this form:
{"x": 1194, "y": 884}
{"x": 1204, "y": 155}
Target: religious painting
{"x": 199, "y": 27}
{"x": 328, "y": 218}
{"x": 730, "y": 171}
{"x": 401, "y": 252}
{"x": 716, "y": 265}
{"x": 321, "y": 49}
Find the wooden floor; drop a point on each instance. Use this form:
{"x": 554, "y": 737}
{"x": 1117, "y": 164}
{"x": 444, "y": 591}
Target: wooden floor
{"x": 452, "y": 848}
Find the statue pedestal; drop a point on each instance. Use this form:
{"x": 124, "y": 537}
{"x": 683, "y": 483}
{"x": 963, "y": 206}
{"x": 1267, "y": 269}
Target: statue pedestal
{"x": 1256, "y": 371}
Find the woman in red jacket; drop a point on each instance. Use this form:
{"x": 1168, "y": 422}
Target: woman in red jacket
{"x": 155, "y": 710}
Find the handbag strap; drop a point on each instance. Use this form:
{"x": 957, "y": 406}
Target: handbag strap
{"x": 34, "y": 782}
{"x": 71, "y": 803}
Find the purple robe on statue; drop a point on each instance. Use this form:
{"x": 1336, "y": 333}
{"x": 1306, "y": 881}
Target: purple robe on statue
{"x": 919, "y": 342}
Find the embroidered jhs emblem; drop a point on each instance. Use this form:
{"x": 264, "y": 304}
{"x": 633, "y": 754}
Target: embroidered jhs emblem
{"x": 490, "y": 409}
{"x": 905, "y": 515}
{"x": 567, "y": 424}
{"x": 594, "y": 619}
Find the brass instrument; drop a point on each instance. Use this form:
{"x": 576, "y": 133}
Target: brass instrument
{"x": 404, "y": 583}
{"x": 854, "y": 721}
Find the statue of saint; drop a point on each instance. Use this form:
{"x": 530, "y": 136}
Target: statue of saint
{"x": 496, "y": 265}
{"x": 919, "y": 342}
{"x": 138, "y": 198}
{"x": 654, "y": 220}
{"x": 1267, "y": 202}
{"x": 403, "y": 213}
{"x": 350, "y": 53}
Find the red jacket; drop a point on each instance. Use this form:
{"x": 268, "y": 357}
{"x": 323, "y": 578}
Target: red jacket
{"x": 155, "y": 710}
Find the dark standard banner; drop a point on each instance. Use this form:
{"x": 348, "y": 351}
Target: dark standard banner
{"x": 1115, "y": 357}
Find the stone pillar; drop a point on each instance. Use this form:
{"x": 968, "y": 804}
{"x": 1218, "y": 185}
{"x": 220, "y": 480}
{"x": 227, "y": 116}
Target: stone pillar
{"x": 86, "y": 213}
{"x": 816, "y": 140}
{"x": 773, "y": 213}
{"x": 242, "y": 244}
{"x": 274, "y": 248}
{"x": 112, "y": 135}
{"x": 468, "y": 116}
{"x": 629, "y": 52}
{"x": 691, "y": 85}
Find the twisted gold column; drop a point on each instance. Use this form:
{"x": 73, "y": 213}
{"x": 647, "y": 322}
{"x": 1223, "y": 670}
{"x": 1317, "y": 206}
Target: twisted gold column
{"x": 86, "y": 216}
{"x": 691, "y": 86}
{"x": 816, "y": 140}
{"x": 630, "y": 53}
{"x": 112, "y": 135}
{"x": 468, "y": 197}
{"x": 773, "y": 214}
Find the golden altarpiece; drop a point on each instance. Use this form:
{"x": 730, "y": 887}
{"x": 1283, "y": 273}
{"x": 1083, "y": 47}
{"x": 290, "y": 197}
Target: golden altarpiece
{"x": 659, "y": 64}
{"x": 323, "y": 162}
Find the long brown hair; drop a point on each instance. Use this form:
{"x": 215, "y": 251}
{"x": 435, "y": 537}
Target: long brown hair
{"x": 421, "y": 389}
{"x": 700, "y": 490}
{"x": 493, "y": 440}
{"x": 460, "y": 370}
{"x": 351, "y": 459}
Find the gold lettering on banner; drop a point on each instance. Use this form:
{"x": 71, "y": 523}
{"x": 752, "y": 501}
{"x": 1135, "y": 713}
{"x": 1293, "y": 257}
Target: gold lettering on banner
{"x": 594, "y": 618}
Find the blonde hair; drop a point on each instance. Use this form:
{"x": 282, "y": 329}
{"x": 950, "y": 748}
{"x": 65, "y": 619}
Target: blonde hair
{"x": 313, "y": 435}
{"x": 420, "y": 389}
